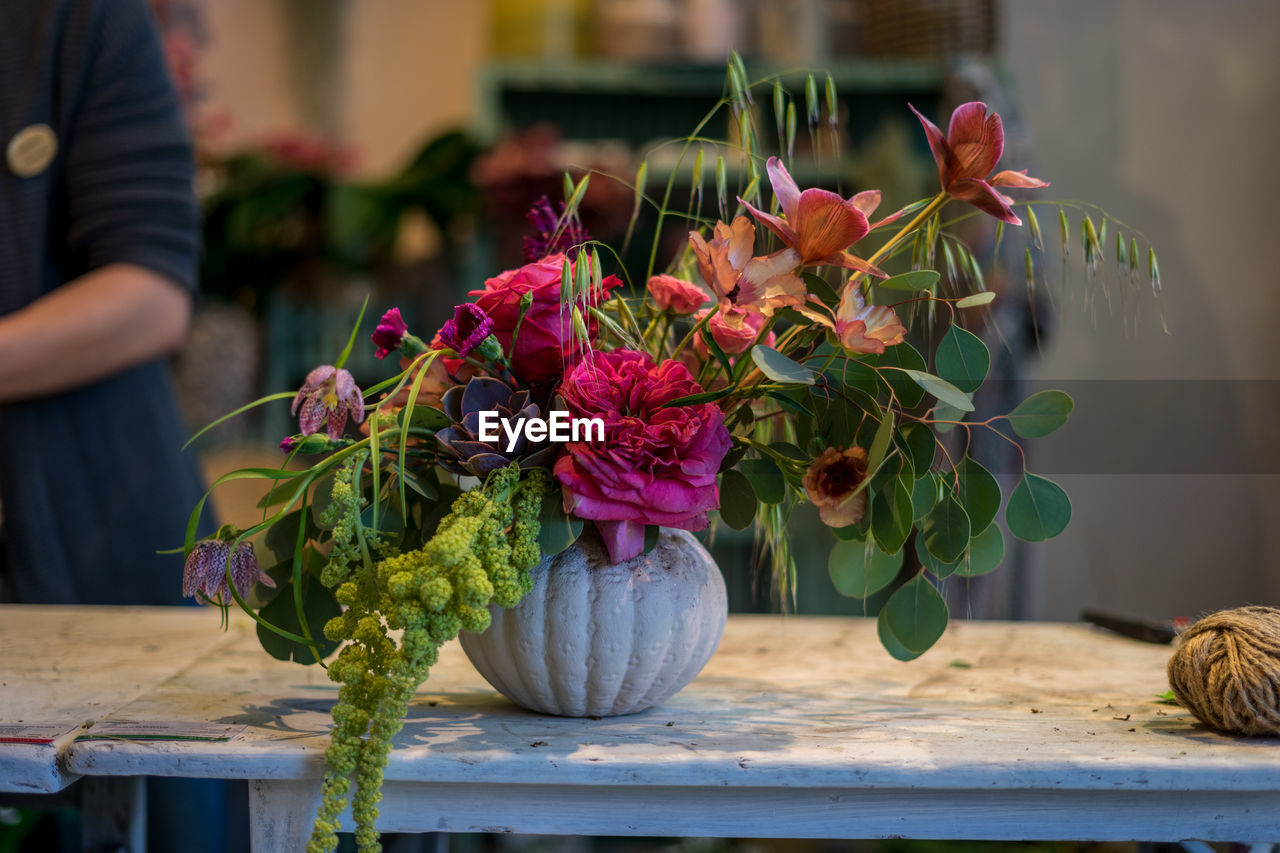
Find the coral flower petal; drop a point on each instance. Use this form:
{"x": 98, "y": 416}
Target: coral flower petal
{"x": 976, "y": 141}
{"x": 784, "y": 187}
{"x": 826, "y": 223}
{"x": 980, "y": 194}
{"x": 1020, "y": 179}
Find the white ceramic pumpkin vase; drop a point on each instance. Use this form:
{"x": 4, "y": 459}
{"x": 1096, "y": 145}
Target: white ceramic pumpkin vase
{"x": 600, "y": 639}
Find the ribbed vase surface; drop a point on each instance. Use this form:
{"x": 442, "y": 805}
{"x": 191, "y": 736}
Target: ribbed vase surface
{"x": 599, "y": 639}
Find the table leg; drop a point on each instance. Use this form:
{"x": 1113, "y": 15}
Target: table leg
{"x": 281, "y": 812}
{"x": 113, "y": 813}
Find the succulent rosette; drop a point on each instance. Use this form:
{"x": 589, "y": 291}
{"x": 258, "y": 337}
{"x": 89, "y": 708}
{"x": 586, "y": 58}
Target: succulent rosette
{"x": 525, "y": 306}
{"x": 466, "y": 452}
{"x": 657, "y": 465}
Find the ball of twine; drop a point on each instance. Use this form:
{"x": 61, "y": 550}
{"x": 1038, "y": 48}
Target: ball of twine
{"x": 1227, "y": 671}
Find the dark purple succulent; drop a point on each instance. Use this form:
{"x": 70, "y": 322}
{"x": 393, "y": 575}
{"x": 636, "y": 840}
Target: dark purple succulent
{"x": 488, "y": 402}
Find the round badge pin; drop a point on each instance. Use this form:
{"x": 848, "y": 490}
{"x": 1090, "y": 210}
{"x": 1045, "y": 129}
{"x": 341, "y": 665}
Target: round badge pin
{"x": 31, "y": 150}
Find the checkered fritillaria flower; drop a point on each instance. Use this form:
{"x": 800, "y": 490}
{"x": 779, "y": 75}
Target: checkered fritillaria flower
{"x": 205, "y": 573}
{"x": 327, "y": 398}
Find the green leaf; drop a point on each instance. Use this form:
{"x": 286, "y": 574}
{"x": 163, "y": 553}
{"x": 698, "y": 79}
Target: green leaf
{"x": 919, "y": 444}
{"x": 973, "y": 300}
{"x": 880, "y": 443}
{"x": 924, "y": 495}
{"x": 939, "y": 568}
{"x": 790, "y": 403}
{"x": 779, "y": 367}
{"x": 891, "y": 515}
{"x": 558, "y": 530}
{"x": 787, "y": 450}
{"x": 651, "y": 534}
{"x": 945, "y": 530}
{"x": 737, "y": 500}
{"x": 1038, "y": 509}
{"x": 818, "y": 286}
{"x": 943, "y": 412}
{"x": 282, "y": 537}
{"x": 859, "y": 569}
{"x": 904, "y": 388}
{"x": 915, "y": 616}
{"x": 321, "y": 497}
{"x": 962, "y": 359}
{"x": 944, "y": 391}
{"x": 1041, "y": 414}
{"x": 318, "y": 607}
{"x": 913, "y": 281}
{"x": 766, "y": 479}
{"x": 986, "y": 552}
{"x": 701, "y": 397}
{"x": 979, "y": 494}
{"x": 852, "y": 533}
{"x": 890, "y": 642}
{"x": 424, "y": 417}
{"x": 351, "y": 341}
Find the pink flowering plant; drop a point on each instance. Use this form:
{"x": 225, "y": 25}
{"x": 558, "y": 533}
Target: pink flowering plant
{"x": 796, "y": 351}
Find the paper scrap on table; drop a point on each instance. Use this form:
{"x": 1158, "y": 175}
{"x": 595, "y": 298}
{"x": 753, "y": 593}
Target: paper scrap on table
{"x": 35, "y": 734}
{"x": 159, "y": 730}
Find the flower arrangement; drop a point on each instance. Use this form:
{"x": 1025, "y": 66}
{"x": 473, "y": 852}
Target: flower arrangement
{"x": 769, "y": 366}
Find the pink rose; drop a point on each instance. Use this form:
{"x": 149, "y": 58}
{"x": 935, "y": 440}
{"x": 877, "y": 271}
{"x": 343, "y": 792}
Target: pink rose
{"x": 676, "y": 295}
{"x": 656, "y": 465}
{"x": 544, "y": 341}
{"x": 735, "y": 333}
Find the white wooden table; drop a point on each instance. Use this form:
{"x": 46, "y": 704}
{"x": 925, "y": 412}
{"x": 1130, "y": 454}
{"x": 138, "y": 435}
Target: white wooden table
{"x": 799, "y": 727}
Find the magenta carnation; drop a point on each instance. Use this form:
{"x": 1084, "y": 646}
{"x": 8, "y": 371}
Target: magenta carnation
{"x": 656, "y": 465}
{"x": 467, "y": 330}
{"x": 390, "y": 333}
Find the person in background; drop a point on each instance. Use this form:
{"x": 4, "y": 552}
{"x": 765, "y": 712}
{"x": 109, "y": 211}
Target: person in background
{"x": 99, "y": 243}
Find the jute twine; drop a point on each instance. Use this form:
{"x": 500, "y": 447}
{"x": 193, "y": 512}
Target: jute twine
{"x": 1227, "y": 671}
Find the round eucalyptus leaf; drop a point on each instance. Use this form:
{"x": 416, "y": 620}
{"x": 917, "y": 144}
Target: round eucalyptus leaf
{"x": 779, "y": 367}
{"x": 859, "y": 569}
{"x": 962, "y": 359}
{"x": 766, "y": 479}
{"x": 918, "y": 441}
{"x": 1038, "y": 509}
{"x": 986, "y": 551}
{"x": 943, "y": 390}
{"x": 924, "y": 495}
{"x": 557, "y": 530}
{"x": 1041, "y": 413}
{"x": 915, "y": 615}
{"x": 890, "y": 642}
{"x": 904, "y": 388}
{"x": 737, "y": 500}
{"x": 945, "y": 530}
{"x": 891, "y": 515}
{"x": 979, "y": 494}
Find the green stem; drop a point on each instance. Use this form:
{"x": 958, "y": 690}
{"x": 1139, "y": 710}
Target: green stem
{"x": 929, "y": 210}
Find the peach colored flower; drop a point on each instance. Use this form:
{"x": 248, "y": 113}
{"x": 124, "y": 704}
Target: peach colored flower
{"x": 755, "y": 285}
{"x": 859, "y": 326}
{"x": 676, "y": 295}
{"x": 830, "y": 484}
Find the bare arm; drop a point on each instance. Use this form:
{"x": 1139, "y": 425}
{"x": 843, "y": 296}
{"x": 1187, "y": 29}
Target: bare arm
{"x": 112, "y": 318}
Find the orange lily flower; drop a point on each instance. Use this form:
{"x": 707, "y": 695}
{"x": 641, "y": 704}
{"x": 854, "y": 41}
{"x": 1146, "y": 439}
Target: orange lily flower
{"x": 966, "y": 155}
{"x": 819, "y": 225}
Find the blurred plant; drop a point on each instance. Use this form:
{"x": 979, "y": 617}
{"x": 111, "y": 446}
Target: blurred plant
{"x": 285, "y": 212}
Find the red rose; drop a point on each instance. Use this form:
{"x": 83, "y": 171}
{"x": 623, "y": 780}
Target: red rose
{"x": 656, "y": 465}
{"x": 544, "y": 340}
